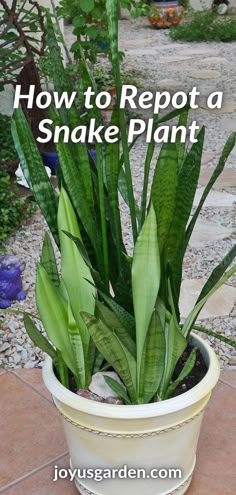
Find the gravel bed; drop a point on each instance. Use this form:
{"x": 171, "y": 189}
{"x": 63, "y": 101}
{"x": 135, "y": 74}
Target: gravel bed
{"x": 16, "y": 350}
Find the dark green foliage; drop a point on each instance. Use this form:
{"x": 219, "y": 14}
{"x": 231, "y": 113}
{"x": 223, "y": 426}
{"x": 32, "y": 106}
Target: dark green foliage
{"x": 13, "y": 210}
{"x": 7, "y": 148}
{"x": 205, "y": 26}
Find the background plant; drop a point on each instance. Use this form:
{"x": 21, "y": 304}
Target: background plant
{"x": 205, "y": 26}
{"x": 135, "y": 324}
{"x": 7, "y": 147}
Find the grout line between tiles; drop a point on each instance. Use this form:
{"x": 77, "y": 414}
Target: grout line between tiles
{"x": 227, "y": 383}
{"x": 31, "y": 387}
{"x": 31, "y": 473}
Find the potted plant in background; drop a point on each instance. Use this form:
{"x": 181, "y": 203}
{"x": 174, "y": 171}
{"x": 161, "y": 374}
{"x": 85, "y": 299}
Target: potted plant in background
{"x": 114, "y": 312}
{"x": 166, "y": 13}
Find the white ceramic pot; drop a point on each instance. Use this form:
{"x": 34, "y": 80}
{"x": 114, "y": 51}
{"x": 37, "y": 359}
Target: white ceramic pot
{"x": 161, "y": 435}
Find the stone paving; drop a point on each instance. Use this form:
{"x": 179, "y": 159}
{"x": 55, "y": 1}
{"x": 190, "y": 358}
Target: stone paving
{"x": 32, "y": 439}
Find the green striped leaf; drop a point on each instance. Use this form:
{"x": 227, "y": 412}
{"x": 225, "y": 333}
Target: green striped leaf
{"x": 145, "y": 281}
{"x": 75, "y": 273}
{"x": 114, "y": 352}
{"x": 48, "y": 260}
{"x": 154, "y": 362}
{"x": 117, "y": 388}
{"x": 190, "y": 320}
{"x": 38, "y": 339}
{"x": 218, "y": 272}
{"x": 34, "y": 170}
{"x": 185, "y": 193}
{"x": 126, "y": 319}
{"x": 52, "y": 309}
{"x": 230, "y": 144}
{"x": 176, "y": 344}
{"x": 111, "y": 320}
{"x": 78, "y": 350}
{"x": 189, "y": 365}
{"x": 164, "y": 188}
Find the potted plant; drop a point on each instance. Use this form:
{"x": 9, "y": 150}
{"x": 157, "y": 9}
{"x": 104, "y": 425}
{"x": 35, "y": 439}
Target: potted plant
{"x": 116, "y": 313}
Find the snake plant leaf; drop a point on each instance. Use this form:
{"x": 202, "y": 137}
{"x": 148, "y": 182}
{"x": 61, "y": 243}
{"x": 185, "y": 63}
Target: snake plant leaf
{"x": 190, "y": 320}
{"x": 146, "y": 273}
{"x": 229, "y": 145}
{"x": 181, "y": 147}
{"x": 126, "y": 319}
{"x": 112, "y": 9}
{"x": 38, "y": 339}
{"x": 216, "y": 335}
{"x": 77, "y": 347}
{"x": 154, "y": 363}
{"x": 95, "y": 275}
{"x": 218, "y": 272}
{"x": 176, "y": 344}
{"x": 76, "y": 190}
{"x": 117, "y": 388}
{"x": 62, "y": 370}
{"x": 164, "y": 188}
{"x": 110, "y": 319}
{"x": 97, "y": 362}
{"x": 75, "y": 272}
{"x": 114, "y": 352}
{"x": 48, "y": 260}
{"x": 34, "y": 170}
{"x": 189, "y": 365}
{"x": 53, "y": 312}
{"x": 185, "y": 193}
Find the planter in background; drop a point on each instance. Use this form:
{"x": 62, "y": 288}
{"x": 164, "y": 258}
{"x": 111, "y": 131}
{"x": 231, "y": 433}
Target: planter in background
{"x": 51, "y": 160}
{"x": 158, "y": 435}
{"x": 168, "y": 14}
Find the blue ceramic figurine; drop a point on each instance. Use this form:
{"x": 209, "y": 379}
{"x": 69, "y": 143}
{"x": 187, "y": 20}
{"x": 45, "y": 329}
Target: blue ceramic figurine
{"x": 10, "y": 280}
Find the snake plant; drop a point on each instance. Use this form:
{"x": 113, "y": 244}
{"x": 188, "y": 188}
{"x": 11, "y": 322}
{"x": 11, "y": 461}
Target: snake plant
{"x": 108, "y": 308}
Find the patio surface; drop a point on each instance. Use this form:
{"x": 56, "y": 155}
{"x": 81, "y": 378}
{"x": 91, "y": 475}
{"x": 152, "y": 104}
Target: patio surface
{"x": 31, "y": 442}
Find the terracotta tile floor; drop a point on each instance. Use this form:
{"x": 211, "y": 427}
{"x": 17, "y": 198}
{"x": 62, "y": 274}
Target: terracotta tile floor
{"x": 31, "y": 442}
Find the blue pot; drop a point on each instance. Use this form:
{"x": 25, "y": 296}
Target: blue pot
{"x": 51, "y": 160}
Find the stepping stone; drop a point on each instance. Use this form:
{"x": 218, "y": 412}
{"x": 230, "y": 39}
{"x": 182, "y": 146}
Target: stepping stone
{"x": 226, "y": 179}
{"x": 204, "y": 74}
{"x": 228, "y": 123}
{"x": 206, "y": 232}
{"x": 207, "y": 157}
{"x": 215, "y": 199}
{"x": 218, "y": 305}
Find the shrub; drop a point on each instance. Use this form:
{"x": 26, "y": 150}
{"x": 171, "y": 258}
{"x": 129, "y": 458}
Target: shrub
{"x": 13, "y": 210}
{"x": 7, "y": 148}
{"x": 205, "y": 26}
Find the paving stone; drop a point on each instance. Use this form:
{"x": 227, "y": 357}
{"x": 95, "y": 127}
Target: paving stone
{"x": 226, "y": 179}
{"x": 207, "y": 157}
{"x": 220, "y": 304}
{"x": 228, "y": 123}
{"x": 206, "y": 232}
{"x": 204, "y": 74}
{"x": 216, "y": 199}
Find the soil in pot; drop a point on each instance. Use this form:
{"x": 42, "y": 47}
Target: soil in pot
{"x": 197, "y": 374}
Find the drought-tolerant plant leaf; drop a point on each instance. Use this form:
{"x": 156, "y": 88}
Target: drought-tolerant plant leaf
{"x": 230, "y": 144}
{"x": 164, "y": 188}
{"x": 126, "y": 319}
{"x": 155, "y": 351}
{"x": 38, "y": 339}
{"x": 190, "y": 320}
{"x": 110, "y": 319}
{"x": 75, "y": 272}
{"x": 216, "y": 335}
{"x": 34, "y": 170}
{"x": 114, "y": 352}
{"x": 53, "y": 313}
{"x": 185, "y": 193}
{"x": 176, "y": 344}
{"x": 117, "y": 388}
{"x": 78, "y": 349}
{"x": 189, "y": 365}
{"x": 147, "y": 165}
{"x": 48, "y": 260}
{"x": 146, "y": 274}
{"x": 218, "y": 272}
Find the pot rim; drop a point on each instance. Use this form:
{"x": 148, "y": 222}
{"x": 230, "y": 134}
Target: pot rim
{"x": 168, "y": 406}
